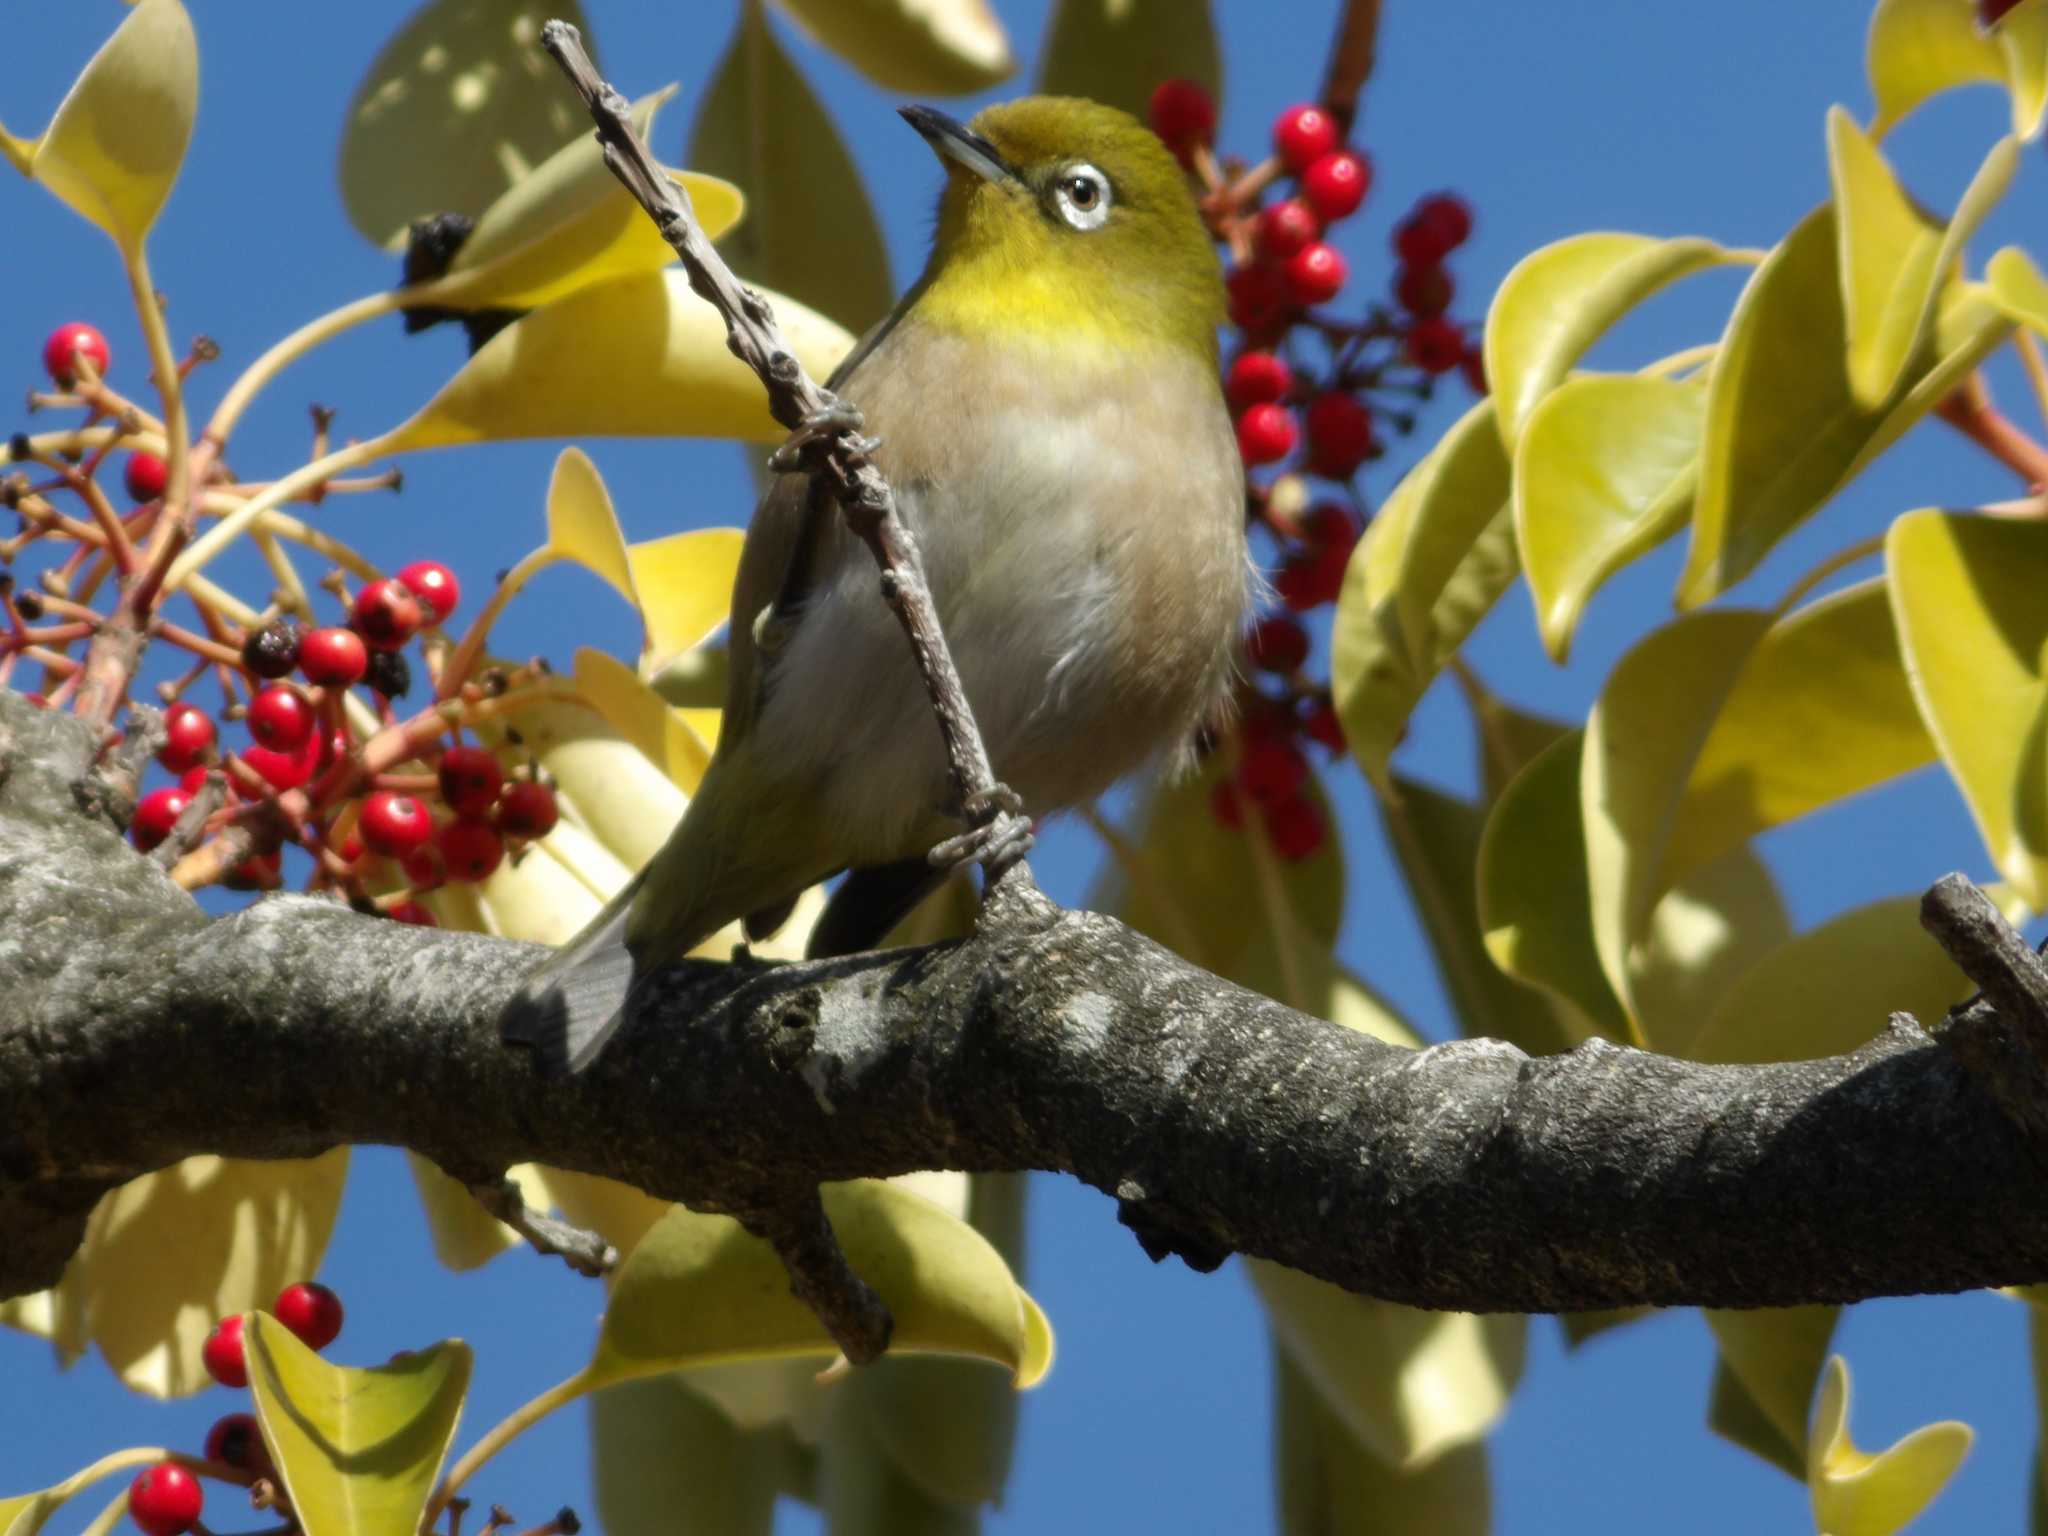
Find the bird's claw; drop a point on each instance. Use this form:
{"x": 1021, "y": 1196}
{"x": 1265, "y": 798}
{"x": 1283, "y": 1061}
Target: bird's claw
{"x": 821, "y": 426}
{"x": 1000, "y": 836}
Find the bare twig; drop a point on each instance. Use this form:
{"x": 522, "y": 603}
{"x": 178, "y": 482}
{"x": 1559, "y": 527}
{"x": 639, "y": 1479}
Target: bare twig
{"x": 211, "y": 795}
{"x": 1351, "y": 58}
{"x": 2005, "y": 1045}
{"x": 584, "y": 1251}
{"x": 801, "y": 1236}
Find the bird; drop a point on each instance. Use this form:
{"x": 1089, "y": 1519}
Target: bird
{"x": 1046, "y": 403}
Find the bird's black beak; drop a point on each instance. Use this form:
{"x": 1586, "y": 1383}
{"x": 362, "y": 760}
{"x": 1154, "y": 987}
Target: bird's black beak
{"x": 953, "y": 140}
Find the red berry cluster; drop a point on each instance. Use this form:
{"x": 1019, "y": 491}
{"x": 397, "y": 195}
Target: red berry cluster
{"x": 1314, "y": 393}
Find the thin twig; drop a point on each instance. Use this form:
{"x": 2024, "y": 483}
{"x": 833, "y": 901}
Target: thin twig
{"x": 184, "y": 835}
{"x": 584, "y": 1251}
{"x": 822, "y": 1279}
{"x": 2005, "y": 1047}
{"x": 1352, "y": 53}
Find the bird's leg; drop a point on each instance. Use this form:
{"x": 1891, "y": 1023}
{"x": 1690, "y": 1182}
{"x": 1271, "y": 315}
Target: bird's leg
{"x": 999, "y": 836}
{"x": 828, "y": 421}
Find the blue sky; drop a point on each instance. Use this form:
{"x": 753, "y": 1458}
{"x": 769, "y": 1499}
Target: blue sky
{"x": 1551, "y": 120}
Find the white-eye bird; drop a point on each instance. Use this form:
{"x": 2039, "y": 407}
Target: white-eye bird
{"x": 1049, "y": 414}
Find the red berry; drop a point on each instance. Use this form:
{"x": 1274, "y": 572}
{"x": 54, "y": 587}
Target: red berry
{"x": 1321, "y": 724}
{"x": 333, "y": 657}
{"x": 1258, "y": 299}
{"x": 284, "y": 770}
{"x": 237, "y": 1441}
{"x": 1284, "y": 228}
{"x": 280, "y": 718}
{"x": 1423, "y": 290}
{"x": 192, "y": 778}
{"x": 1296, "y": 827}
{"x": 1265, "y": 433}
{"x": 155, "y": 814}
{"x": 1257, "y": 377}
{"x": 1336, "y": 184}
{"x": 188, "y": 736}
{"x": 1303, "y": 135}
{"x": 1271, "y": 770}
{"x": 1474, "y": 365}
{"x": 386, "y": 614}
{"x": 1311, "y": 577}
{"x": 470, "y": 780}
{"x": 1331, "y": 530}
{"x": 67, "y": 344}
{"x": 423, "y": 868}
{"x": 413, "y": 913}
{"x": 1277, "y": 643}
{"x": 1339, "y": 434}
{"x": 1436, "y": 345}
{"x": 1450, "y": 217}
{"x": 394, "y": 824}
{"x": 1990, "y": 11}
{"x": 165, "y": 1499}
{"x": 222, "y": 1353}
{"x": 311, "y": 1311}
{"x": 1226, "y": 805}
{"x": 472, "y": 849}
{"x": 1182, "y": 114}
{"x": 527, "y": 809}
{"x": 434, "y": 585}
{"x": 145, "y": 476}
{"x": 1315, "y": 274}
{"x": 258, "y": 872}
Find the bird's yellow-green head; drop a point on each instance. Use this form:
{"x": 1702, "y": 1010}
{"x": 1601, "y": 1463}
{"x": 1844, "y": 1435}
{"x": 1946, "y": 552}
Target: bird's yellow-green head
{"x": 1069, "y": 220}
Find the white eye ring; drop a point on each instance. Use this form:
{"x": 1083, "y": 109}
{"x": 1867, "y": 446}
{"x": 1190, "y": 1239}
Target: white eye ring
{"x": 1081, "y": 193}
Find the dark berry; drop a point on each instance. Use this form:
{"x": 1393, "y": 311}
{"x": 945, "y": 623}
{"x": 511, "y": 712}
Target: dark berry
{"x": 1296, "y": 827}
{"x": 1321, "y": 725}
{"x": 1423, "y": 290}
{"x": 1473, "y": 365}
{"x": 1258, "y": 299}
{"x": 470, "y": 780}
{"x": 1339, "y": 434}
{"x": 237, "y": 1441}
{"x": 1271, "y": 770}
{"x": 389, "y": 673}
{"x": 527, "y": 809}
{"x": 469, "y": 849}
{"x": 272, "y": 651}
{"x": 311, "y": 1311}
{"x": 1277, "y": 643}
{"x": 1450, "y": 217}
{"x": 1436, "y": 345}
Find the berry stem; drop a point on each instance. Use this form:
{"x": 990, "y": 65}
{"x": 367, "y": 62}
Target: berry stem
{"x": 2037, "y": 371}
{"x": 163, "y": 363}
{"x": 1841, "y": 559}
{"x": 217, "y": 538}
{"x": 290, "y": 348}
{"x": 1970, "y": 411}
{"x": 500, "y": 1435}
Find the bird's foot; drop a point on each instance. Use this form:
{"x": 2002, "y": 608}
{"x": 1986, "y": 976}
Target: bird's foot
{"x": 1000, "y": 836}
{"x": 821, "y": 426}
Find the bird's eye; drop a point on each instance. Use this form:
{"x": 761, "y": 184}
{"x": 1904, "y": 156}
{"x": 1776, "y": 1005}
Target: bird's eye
{"x": 1082, "y": 196}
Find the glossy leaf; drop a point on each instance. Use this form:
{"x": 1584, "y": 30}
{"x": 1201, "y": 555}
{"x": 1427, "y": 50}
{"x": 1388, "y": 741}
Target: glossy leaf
{"x": 924, "y": 47}
{"x": 1559, "y": 300}
{"x": 2017, "y": 287}
{"x": 469, "y": 78}
{"x": 1830, "y": 989}
{"x": 1604, "y": 472}
{"x": 1407, "y": 1384}
{"x": 1431, "y": 566}
{"x": 685, "y": 583}
{"x": 1820, "y": 710}
{"x": 113, "y": 150}
{"x": 1118, "y": 51}
{"x": 1893, "y": 258}
{"x": 1188, "y": 881}
{"x": 809, "y": 232}
{"x": 570, "y": 224}
{"x": 699, "y": 1289}
{"x": 637, "y": 357}
{"x": 1534, "y": 905}
{"x": 168, "y": 1255}
{"x": 1770, "y": 1358}
{"x": 1966, "y": 594}
{"x": 1858, "y": 1493}
{"x": 1783, "y": 431}
{"x": 1331, "y": 1485}
{"x": 358, "y": 1450}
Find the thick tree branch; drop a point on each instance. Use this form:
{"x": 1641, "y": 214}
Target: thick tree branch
{"x": 138, "y": 1032}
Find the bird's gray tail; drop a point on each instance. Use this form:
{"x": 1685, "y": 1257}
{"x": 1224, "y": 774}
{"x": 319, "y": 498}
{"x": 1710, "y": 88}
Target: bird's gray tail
{"x": 571, "y": 1005}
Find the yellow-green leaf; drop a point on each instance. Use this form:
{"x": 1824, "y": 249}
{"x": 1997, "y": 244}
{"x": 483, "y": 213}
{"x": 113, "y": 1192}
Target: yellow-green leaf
{"x": 1432, "y": 565}
{"x": 570, "y": 224}
{"x": 664, "y": 1460}
{"x": 2022, "y": 38}
{"x": 1409, "y": 1385}
{"x": 863, "y": 1491}
{"x": 1534, "y": 906}
{"x": 465, "y": 1234}
{"x": 699, "y": 1289}
{"x": 1705, "y": 935}
{"x": 1559, "y": 300}
{"x": 1857, "y": 1493}
{"x": 582, "y": 525}
{"x": 1920, "y": 48}
{"x": 623, "y": 1214}
{"x": 168, "y": 1255}
{"x": 1820, "y": 710}
{"x": 1783, "y": 430}
{"x": 113, "y": 150}
{"x": 469, "y": 79}
{"x": 1187, "y": 880}
{"x": 2017, "y": 287}
{"x": 1830, "y": 989}
{"x": 637, "y": 357}
{"x": 638, "y": 713}
{"x": 685, "y": 584}
{"x": 1966, "y": 593}
{"x": 358, "y": 1450}
{"x": 1118, "y": 51}
{"x": 810, "y": 231}
{"x": 925, "y": 47}
{"x": 1604, "y": 472}
{"x": 1331, "y": 1485}
{"x": 1893, "y": 257}
{"x": 1770, "y": 1358}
